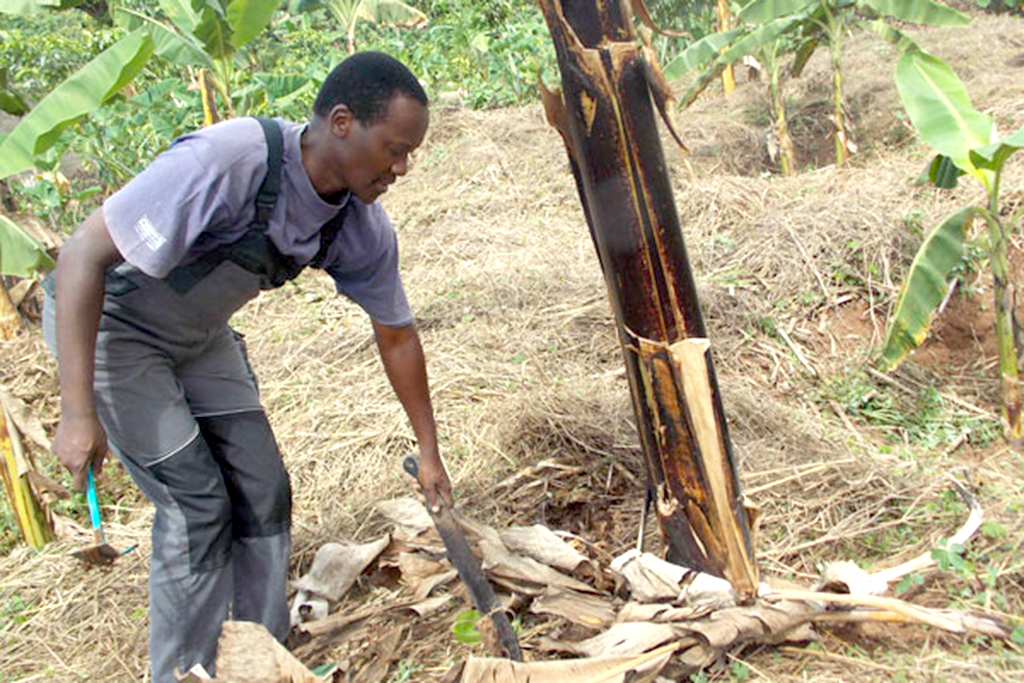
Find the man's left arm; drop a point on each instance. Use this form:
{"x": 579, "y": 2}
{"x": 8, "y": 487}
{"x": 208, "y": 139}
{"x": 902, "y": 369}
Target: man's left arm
{"x": 404, "y": 363}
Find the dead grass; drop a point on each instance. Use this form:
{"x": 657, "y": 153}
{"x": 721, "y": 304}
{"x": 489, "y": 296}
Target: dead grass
{"x": 796, "y": 277}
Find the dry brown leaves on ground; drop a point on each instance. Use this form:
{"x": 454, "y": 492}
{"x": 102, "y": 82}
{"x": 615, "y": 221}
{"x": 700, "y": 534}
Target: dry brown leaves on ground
{"x": 796, "y": 278}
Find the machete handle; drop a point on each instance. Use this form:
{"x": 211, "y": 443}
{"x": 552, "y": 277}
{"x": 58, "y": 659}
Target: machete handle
{"x": 412, "y": 465}
{"x": 469, "y": 570}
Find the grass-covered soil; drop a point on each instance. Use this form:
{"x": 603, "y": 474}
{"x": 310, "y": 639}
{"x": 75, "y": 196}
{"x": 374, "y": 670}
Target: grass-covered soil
{"x": 796, "y": 276}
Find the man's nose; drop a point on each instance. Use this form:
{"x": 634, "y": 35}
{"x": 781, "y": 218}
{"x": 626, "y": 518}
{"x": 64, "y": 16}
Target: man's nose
{"x": 401, "y": 167}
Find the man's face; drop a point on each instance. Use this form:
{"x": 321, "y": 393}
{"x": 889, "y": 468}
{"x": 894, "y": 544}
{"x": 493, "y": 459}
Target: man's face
{"x": 378, "y": 153}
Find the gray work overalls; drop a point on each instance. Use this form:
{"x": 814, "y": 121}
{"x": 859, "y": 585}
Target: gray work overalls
{"x": 181, "y": 408}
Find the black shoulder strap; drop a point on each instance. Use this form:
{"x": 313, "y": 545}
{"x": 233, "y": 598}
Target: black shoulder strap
{"x": 266, "y": 197}
{"x": 256, "y": 255}
{"x": 328, "y": 232}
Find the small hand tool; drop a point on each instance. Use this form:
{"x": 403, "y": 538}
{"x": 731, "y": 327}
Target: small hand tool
{"x": 101, "y": 552}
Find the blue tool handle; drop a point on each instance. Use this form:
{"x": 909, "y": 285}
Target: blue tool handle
{"x": 94, "y": 504}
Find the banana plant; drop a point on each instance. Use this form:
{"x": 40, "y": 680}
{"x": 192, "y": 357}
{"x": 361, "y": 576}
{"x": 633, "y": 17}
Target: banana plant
{"x": 349, "y": 12}
{"x": 767, "y": 43}
{"x": 966, "y": 142}
{"x": 206, "y": 34}
{"x": 726, "y": 21}
{"x": 84, "y": 91}
{"x": 21, "y": 256}
{"x": 605, "y": 114}
{"x": 831, "y": 20}
{"x": 773, "y": 26}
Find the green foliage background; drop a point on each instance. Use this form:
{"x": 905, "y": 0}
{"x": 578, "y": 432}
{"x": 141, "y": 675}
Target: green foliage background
{"x": 479, "y": 53}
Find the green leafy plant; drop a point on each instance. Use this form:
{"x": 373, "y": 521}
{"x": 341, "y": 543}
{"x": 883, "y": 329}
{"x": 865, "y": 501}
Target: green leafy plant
{"x": 32, "y": 6}
{"x": 10, "y": 101}
{"x": 909, "y": 581}
{"x": 999, "y": 6}
{"x": 20, "y": 254}
{"x": 771, "y": 28}
{"x": 950, "y": 558}
{"x": 205, "y": 34}
{"x": 464, "y": 628}
{"x": 966, "y": 143}
{"x": 88, "y": 88}
{"x": 406, "y": 669}
{"x": 349, "y": 12}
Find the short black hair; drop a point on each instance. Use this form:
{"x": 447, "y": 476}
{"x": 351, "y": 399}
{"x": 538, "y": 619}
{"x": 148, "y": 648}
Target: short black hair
{"x": 365, "y": 83}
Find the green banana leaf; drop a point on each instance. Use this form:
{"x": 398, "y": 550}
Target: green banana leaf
{"x": 942, "y": 172}
{"x": 181, "y": 14}
{"x": 890, "y": 33}
{"x": 347, "y": 12}
{"x": 803, "y": 55}
{"x": 919, "y": 12}
{"x": 925, "y": 286}
{"x": 761, "y": 35}
{"x": 747, "y": 43}
{"x": 20, "y": 254}
{"x": 10, "y": 101}
{"x": 167, "y": 42}
{"x": 992, "y": 157}
{"x": 80, "y": 94}
{"x": 25, "y": 7}
{"x": 763, "y": 11}
{"x": 811, "y": 35}
{"x": 213, "y": 31}
{"x": 248, "y": 18}
{"x": 278, "y": 86}
{"x": 940, "y": 108}
{"x": 699, "y": 53}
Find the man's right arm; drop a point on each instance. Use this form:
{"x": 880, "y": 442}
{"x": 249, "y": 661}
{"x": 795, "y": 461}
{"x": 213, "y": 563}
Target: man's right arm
{"x": 81, "y": 269}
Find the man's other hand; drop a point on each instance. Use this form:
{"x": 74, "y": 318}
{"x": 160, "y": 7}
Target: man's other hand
{"x": 80, "y": 442}
{"x": 434, "y": 483}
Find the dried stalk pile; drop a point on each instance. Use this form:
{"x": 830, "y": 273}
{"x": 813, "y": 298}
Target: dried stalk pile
{"x": 634, "y": 618}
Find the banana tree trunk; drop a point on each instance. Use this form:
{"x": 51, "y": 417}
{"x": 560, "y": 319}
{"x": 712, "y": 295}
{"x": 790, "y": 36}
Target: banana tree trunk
{"x": 606, "y": 118}
{"x": 725, "y": 22}
{"x": 787, "y": 150}
{"x": 839, "y": 114}
{"x": 208, "y": 95}
{"x": 843, "y": 140}
{"x": 31, "y": 516}
{"x": 10, "y": 319}
{"x": 1005, "y": 293}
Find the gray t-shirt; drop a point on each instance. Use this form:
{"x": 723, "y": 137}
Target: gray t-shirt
{"x": 200, "y": 193}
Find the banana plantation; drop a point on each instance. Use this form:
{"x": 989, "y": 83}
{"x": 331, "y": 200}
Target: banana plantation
{"x": 718, "y": 304}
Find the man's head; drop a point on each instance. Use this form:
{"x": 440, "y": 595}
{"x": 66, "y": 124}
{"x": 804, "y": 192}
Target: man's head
{"x": 370, "y": 114}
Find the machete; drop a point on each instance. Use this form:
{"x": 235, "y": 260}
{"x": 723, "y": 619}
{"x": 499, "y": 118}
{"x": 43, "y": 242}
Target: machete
{"x": 469, "y": 569}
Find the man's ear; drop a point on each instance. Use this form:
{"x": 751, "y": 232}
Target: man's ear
{"x": 341, "y": 119}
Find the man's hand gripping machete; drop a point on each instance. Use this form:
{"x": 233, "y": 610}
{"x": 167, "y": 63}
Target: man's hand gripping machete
{"x": 469, "y": 569}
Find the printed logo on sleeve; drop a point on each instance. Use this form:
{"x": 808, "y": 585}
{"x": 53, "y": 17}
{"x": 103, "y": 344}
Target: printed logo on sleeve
{"x": 153, "y": 239}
